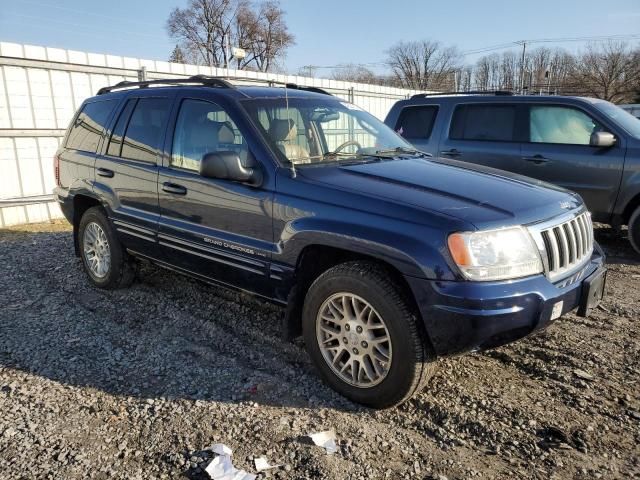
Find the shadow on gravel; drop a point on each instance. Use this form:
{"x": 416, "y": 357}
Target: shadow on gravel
{"x": 166, "y": 337}
{"x": 616, "y": 246}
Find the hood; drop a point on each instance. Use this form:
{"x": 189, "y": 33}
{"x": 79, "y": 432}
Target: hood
{"x": 482, "y": 196}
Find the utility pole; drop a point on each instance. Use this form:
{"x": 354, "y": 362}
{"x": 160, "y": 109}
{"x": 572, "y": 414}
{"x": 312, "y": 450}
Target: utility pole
{"x": 524, "y": 51}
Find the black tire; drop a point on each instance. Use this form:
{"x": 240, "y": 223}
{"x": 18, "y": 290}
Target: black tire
{"x": 122, "y": 270}
{"x": 634, "y": 230}
{"x": 412, "y": 363}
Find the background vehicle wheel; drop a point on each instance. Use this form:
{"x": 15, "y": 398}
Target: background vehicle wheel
{"x": 634, "y": 229}
{"x": 363, "y": 336}
{"x": 105, "y": 261}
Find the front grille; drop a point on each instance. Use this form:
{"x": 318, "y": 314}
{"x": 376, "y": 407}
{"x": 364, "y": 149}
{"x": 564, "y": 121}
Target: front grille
{"x": 567, "y": 245}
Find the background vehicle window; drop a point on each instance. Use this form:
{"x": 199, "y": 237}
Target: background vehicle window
{"x": 145, "y": 130}
{"x": 115, "y": 143}
{"x": 204, "y": 127}
{"x": 86, "y": 131}
{"x": 417, "y": 122}
{"x": 484, "y": 122}
{"x": 556, "y": 124}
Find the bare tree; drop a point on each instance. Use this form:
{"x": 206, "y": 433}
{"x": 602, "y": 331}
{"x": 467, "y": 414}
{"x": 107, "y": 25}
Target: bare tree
{"x": 352, "y": 72}
{"x": 208, "y": 28}
{"x": 610, "y": 71}
{"x": 424, "y": 65}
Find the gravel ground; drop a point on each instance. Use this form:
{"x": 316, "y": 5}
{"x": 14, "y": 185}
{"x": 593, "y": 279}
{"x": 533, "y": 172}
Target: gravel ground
{"x": 137, "y": 383}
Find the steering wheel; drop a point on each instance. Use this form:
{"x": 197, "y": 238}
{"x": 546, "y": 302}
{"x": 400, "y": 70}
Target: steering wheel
{"x": 347, "y": 144}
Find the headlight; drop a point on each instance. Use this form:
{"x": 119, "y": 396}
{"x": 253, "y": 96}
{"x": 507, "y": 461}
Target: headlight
{"x": 495, "y": 254}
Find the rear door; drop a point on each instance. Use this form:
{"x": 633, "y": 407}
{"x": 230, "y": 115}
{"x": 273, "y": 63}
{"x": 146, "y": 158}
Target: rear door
{"x": 216, "y": 228}
{"x": 127, "y": 169}
{"x": 558, "y": 151}
{"x": 483, "y": 133}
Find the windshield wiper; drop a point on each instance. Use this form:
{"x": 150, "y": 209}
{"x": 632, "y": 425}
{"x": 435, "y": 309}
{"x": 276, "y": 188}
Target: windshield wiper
{"x": 393, "y": 152}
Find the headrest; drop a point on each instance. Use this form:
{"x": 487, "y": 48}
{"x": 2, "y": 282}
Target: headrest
{"x": 281, "y": 130}
{"x": 225, "y": 133}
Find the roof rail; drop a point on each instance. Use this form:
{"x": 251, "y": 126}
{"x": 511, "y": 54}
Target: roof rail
{"x": 472, "y": 92}
{"x": 295, "y": 86}
{"x": 195, "y": 80}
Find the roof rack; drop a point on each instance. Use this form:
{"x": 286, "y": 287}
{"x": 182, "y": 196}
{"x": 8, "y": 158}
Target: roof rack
{"x": 472, "y": 92}
{"x": 206, "y": 81}
{"x": 196, "y": 80}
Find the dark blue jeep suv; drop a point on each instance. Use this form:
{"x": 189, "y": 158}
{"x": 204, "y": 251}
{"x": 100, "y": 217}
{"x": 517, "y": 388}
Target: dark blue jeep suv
{"x": 384, "y": 257}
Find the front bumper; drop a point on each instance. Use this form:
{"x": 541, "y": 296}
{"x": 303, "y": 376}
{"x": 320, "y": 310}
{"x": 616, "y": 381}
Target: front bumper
{"x": 467, "y": 316}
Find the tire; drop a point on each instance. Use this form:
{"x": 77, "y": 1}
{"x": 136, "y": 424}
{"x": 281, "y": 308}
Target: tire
{"x": 119, "y": 271}
{"x": 382, "y": 380}
{"x": 634, "y": 230}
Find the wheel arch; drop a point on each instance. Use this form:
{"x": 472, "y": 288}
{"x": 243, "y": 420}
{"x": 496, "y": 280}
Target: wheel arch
{"x": 81, "y": 203}
{"x": 315, "y": 259}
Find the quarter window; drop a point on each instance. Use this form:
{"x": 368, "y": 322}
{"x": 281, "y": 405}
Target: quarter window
{"x": 87, "y": 129}
{"x": 557, "y": 124}
{"x": 143, "y": 138}
{"x": 416, "y": 123}
{"x": 484, "y": 123}
{"x": 204, "y": 127}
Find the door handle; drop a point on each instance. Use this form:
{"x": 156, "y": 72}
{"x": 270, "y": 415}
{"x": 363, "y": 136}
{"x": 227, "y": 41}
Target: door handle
{"x": 104, "y": 172}
{"x": 537, "y": 159}
{"x": 451, "y": 153}
{"x": 173, "y": 188}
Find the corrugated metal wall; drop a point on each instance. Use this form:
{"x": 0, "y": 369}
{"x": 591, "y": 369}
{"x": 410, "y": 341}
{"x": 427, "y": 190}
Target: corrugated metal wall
{"x": 41, "y": 88}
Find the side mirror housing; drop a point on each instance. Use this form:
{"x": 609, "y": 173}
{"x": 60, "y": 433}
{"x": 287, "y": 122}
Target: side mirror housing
{"x": 226, "y": 165}
{"x": 602, "y": 139}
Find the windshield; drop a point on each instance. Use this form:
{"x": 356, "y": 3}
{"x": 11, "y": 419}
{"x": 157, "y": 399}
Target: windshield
{"x": 317, "y": 130}
{"x": 623, "y": 118}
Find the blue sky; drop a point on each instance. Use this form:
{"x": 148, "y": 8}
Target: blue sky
{"x": 327, "y": 32}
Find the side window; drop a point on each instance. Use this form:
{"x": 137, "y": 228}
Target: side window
{"x": 558, "y": 124}
{"x": 417, "y": 122}
{"x": 143, "y": 136}
{"x": 87, "y": 129}
{"x": 484, "y": 123}
{"x": 204, "y": 127}
{"x": 115, "y": 143}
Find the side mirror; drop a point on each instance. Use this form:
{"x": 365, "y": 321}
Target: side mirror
{"x": 602, "y": 139}
{"x": 227, "y": 165}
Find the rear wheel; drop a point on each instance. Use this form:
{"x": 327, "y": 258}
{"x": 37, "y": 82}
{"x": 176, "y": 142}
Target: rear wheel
{"x": 363, "y": 336}
{"x": 634, "y": 229}
{"x": 106, "y": 263}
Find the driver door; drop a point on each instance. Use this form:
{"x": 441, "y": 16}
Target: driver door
{"x": 217, "y": 229}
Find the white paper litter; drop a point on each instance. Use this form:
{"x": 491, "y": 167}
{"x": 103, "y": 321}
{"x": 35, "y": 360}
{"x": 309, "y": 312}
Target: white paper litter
{"x": 221, "y": 449}
{"x": 326, "y": 440}
{"x": 263, "y": 464}
{"x": 221, "y": 467}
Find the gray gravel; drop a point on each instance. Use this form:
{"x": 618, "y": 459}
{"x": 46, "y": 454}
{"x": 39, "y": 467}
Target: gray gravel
{"x": 138, "y": 383}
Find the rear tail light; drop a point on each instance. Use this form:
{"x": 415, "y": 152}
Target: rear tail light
{"x": 56, "y": 169}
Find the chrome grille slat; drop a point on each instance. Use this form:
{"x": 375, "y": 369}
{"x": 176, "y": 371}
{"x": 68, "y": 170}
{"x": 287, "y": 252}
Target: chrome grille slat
{"x": 566, "y": 245}
{"x": 578, "y": 234}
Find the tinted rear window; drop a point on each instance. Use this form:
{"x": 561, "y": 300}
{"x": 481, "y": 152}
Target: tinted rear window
{"x": 145, "y": 131}
{"x": 483, "y": 123}
{"x": 87, "y": 129}
{"x": 417, "y": 122}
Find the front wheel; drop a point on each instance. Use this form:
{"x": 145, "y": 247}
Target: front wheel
{"x": 363, "y": 336}
{"x": 634, "y": 229}
{"x": 105, "y": 261}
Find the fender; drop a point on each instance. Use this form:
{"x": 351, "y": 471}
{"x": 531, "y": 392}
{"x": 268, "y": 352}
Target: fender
{"x": 417, "y": 254}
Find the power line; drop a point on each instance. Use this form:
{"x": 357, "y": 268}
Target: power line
{"x": 597, "y": 38}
